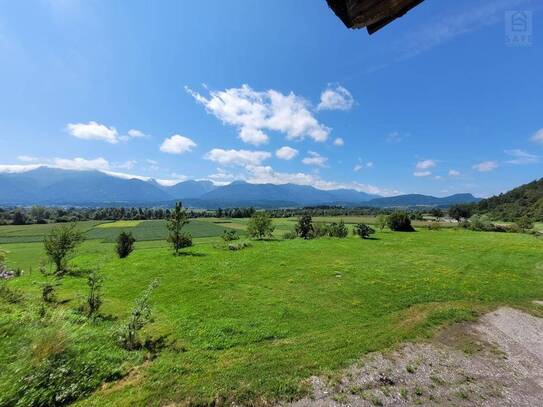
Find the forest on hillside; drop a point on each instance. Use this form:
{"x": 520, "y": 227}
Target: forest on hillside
{"x": 524, "y": 201}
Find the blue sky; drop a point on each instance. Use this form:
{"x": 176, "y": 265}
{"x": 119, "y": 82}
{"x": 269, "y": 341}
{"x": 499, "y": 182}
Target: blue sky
{"x": 277, "y": 91}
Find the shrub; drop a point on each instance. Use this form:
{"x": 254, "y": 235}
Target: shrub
{"x": 94, "y": 298}
{"x": 177, "y": 238}
{"x": 61, "y": 243}
{"x": 290, "y": 235}
{"x": 364, "y": 231}
{"x": 125, "y": 244}
{"x": 238, "y": 246}
{"x": 9, "y": 295}
{"x": 304, "y": 227}
{"x": 229, "y": 235}
{"x": 482, "y": 224}
{"x": 185, "y": 240}
{"x": 48, "y": 287}
{"x": 525, "y": 222}
{"x": 320, "y": 230}
{"x": 338, "y": 230}
{"x": 399, "y": 222}
{"x": 60, "y": 359}
{"x": 434, "y": 225}
{"x": 140, "y": 316}
{"x": 260, "y": 225}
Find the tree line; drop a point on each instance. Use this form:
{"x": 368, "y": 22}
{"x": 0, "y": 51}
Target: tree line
{"x": 41, "y": 214}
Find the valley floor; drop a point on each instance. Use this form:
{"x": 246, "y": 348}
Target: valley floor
{"x": 250, "y": 327}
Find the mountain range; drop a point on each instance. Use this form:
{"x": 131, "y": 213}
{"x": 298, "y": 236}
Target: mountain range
{"x": 53, "y": 186}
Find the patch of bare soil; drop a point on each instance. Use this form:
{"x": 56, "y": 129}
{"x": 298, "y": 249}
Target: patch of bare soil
{"x": 497, "y": 361}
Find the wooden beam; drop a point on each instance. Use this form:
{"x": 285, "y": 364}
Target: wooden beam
{"x": 372, "y": 14}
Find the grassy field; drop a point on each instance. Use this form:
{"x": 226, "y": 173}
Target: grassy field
{"x": 108, "y": 231}
{"x": 119, "y": 224}
{"x": 250, "y": 326}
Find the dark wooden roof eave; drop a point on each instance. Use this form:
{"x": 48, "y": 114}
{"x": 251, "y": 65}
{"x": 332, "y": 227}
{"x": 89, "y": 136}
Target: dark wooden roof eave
{"x": 371, "y": 14}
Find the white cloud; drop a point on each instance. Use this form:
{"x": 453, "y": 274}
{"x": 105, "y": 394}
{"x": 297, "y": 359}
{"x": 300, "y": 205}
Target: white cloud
{"x": 93, "y": 131}
{"x": 78, "y": 163}
{"x": 337, "y": 98}
{"x": 127, "y": 165}
{"x": 266, "y": 175}
{"x": 339, "y": 141}
{"x": 135, "y": 133}
{"x": 426, "y": 164}
{"x": 422, "y": 173}
{"x": 237, "y": 157}
{"x": 17, "y": 168}
{"x": 81, "y": 164}
{"x": 485, "y": 166}
{"x": 454, "y": 173}
{"x": 222, "y": 177}
{"x": 521, "y": 157}
{"x": 152, "y": 162}
{"x": 286, "y": 153}
{"x": 448, "y": 26}
{"x": 315, "y": 159}
{"x": 253, "y": 136}
{"x": 538, "y": 136}
{"x": 254, "y": 112}
{"x": 27, "y": 158}
{"x": 165, "y": 182}
{"x": 177, "y": 144}
{"x": 360, "y": 165}
{"x": 395, "y": 137}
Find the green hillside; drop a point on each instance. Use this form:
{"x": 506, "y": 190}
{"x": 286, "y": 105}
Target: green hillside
{"x": 526, "y": 200}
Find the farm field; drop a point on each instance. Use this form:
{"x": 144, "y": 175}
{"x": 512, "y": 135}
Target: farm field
{"x": 108, "y": 231}
{"x": 251, "y": 326}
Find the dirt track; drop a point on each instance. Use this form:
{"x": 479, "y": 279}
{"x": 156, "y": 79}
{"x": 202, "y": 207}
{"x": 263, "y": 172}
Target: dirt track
{"x": 497, "y": 361}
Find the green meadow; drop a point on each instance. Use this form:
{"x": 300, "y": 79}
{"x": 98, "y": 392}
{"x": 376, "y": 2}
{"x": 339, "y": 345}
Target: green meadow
{"x": 250, "y": 326}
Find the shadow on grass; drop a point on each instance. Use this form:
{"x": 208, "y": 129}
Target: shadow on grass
{"x": 192, "y": 254}
{"x": 78, "y": 272}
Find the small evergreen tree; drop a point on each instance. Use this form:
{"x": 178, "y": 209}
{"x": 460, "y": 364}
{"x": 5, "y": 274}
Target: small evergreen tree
{"x": 304, "y": 227}
{"x": 125, "y": 244}
{"x": 60, "y": 243}
{"x": 177, "y": 238}
{"x": 260, "y": 225}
